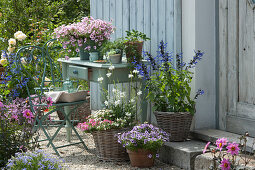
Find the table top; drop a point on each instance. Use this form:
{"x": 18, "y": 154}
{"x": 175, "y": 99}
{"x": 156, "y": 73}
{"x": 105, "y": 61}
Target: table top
{"x": 87, "y": 63}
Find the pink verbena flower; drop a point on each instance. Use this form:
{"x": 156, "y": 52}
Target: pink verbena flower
{"x": 225, "y": 164}
{"x": 233, "y": 148}
{"x": 1, "y": 105}
{"x": 221, "y": 142}
{"x": 206, "y": 146}
{"x": 28, "y": 114}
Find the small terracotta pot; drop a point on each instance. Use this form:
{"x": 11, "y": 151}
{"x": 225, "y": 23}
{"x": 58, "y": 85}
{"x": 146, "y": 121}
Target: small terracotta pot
{"x": 140, "y": 158}
{"x": 136, "y": 46}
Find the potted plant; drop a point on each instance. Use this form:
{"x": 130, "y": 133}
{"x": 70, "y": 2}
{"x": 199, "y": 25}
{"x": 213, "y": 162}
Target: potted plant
{"x": 118, "y": 116}
{"x": 142, "y": 144}
{"x": 114, "y": 50}
{"x": 84, "y": 37}
{"x": 134, "y": 45}
{"x": 170, "y": 92}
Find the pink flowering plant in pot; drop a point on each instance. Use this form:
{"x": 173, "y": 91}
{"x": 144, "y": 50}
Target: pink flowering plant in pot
{"x": 229, "y": 155}
{"x": 89, "y": 34}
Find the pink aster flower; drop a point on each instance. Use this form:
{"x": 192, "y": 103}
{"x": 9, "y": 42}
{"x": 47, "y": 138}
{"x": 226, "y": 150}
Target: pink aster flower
{"x": 28, "y": 114}
{"x": 233, "y": 148}
{"x": 49, "y": 101}
{"x": 221, "y": 142}
{"x": 225, "y": 164}
{"x": 206, "y": 146}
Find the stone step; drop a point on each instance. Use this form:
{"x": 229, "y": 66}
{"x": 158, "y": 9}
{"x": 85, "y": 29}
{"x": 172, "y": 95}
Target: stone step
{"x": 181, "y": 154}
{"x": 211, "y": 135}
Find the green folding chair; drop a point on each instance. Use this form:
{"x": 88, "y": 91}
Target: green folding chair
{"x": 36, "y": 64}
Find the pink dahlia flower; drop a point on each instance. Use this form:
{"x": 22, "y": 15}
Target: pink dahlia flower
{"x": 233, "y": 148}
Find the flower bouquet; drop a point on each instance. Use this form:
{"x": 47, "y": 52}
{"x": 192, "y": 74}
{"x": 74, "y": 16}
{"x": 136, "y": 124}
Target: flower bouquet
{"x": 88, "y": 35}
{"x": 142, "y": 144}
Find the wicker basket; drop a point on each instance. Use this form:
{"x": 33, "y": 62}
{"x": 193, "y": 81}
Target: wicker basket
{"x": 176, "y": 123}
{"x": 107, "y": 146}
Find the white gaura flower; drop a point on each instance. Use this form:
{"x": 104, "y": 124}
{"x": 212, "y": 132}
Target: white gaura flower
{"x": 106, "y": 103}
{"x": 140, "y": 76}
{"x": 12, "y": 42}
{"x": 135, "y": 71}
{"x": 20, "y": 36}
{"x": 114, "y": 90}
{"x": 128, "y": 114}
{"x": 100, "y": 79}
{"x": 130, "y": 75}
{"x": 132, "y": 100}
{"x": 111, "y": 67}
{"x": 11, "y": 49}
{"x": 108, "y": 74}
{"x": 122, "y": 94}
{"x": 117, "y": 102}
{"x": 139, "y": 92}
{"x": 23, "y": 61}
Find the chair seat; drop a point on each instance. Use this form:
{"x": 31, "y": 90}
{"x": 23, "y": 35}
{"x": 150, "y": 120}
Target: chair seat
{"x": 69, "y": 103}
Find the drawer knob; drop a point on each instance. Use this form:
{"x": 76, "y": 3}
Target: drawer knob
{"x": 75, "y": 72}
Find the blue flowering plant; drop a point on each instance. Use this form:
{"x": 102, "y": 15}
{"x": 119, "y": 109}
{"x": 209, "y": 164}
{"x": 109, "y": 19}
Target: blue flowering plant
{"x": 34, "y": 160}
{"x": 144, "y": 136}
{"x": 168, "y": 85}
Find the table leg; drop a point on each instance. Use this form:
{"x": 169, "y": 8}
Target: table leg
{"x": 103, "y": 86}
{"x": 67, "y": 108}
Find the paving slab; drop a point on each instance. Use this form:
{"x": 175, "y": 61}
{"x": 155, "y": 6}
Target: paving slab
{"x": 213, "y": 134}
{"x": 181, "y": 154}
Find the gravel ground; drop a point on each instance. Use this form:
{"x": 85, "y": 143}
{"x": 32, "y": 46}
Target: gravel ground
{"x": 78, "y": 158}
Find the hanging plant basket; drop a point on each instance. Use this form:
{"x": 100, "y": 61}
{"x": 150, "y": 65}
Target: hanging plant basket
{"x": 107, "y": 146}
{"x": 176, "y": 123}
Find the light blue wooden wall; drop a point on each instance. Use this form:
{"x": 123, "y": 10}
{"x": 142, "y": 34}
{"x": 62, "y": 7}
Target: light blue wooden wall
{"x": 158, "y": 19}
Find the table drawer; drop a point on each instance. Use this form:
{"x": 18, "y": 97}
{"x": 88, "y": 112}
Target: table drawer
{"x": 78, "y": 72}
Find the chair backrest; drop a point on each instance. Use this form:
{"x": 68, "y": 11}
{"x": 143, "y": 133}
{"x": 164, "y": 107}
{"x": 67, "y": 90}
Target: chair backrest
{"x": 36, "y": 64}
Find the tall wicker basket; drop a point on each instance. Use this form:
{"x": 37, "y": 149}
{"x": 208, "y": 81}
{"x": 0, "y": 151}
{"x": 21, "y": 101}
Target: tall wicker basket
{"x": 176, "y": 123}
{"x": 107, "y": 146}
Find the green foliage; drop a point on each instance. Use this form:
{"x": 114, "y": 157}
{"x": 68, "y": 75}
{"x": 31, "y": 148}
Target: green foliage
{"x": 135, "y": 35}
{"x": 117, "y": 46}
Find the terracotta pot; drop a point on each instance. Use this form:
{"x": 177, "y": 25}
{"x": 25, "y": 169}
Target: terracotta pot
{"x": 132, "y": 49}
{"x": 140, "y": 158}
{"x": 177, "y": 124}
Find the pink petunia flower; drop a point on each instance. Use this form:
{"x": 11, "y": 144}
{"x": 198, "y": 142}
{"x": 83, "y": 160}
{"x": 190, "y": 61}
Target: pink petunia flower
{"x": 221, "y": 142}
{"x": 66, "y": 57}
{"x": 225, "y": 164}
{"x": 1, "y": 105}
{"x": 28, "y": 114}
{"x": 49, "y": 101}
{"x": 233, "y": 148}
{"x": 206, "y": 146}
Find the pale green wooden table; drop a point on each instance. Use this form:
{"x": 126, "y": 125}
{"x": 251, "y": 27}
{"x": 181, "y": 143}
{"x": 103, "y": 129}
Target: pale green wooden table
{"x": 86, "y": 70}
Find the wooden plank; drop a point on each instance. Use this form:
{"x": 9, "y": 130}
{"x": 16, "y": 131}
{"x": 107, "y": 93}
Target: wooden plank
{"x": 246, "y": 110}
{"x": 100, "y": 10}
{"x": 112, "y": 17}
{"x": 93, "y": 8}
{"x": 177, "y": 28}
{"x": 154, "y": 27}
{"x": 125, "y": 17}
{"x": 232, "y": 65}
{"x": 223, "y": 51}
{"x": 240, "y": 125}
{"x": 133, "y": 14}
{"x": 162, "y": 20}
{"x": 169, "y": 24}
{"x": 147, "y": 24}
{"x": 140, "y": 15}
{"x": 106, "y": 10}
{"x": 118, "y": 18}
{"x": 246, "y": 74}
